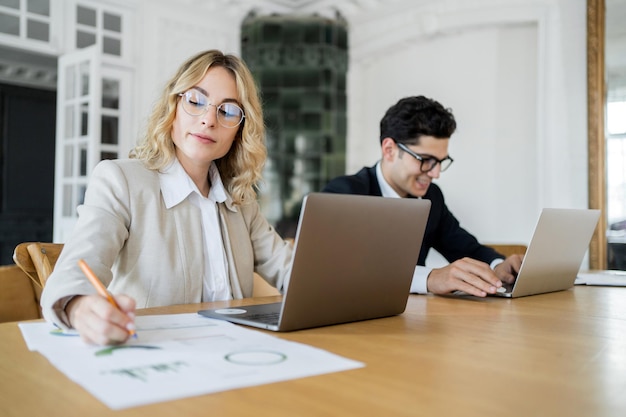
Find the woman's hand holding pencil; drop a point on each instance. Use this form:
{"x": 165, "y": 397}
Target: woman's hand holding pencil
{"x": 101, "y": 319}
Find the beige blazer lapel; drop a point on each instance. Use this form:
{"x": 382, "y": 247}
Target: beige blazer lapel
{"x": 238, "y": 249}
{"x": 190, "y": 249}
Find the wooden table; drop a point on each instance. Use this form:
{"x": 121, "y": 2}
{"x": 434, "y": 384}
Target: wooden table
{"x": 559, "y": 354}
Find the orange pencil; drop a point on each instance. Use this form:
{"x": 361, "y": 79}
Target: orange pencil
{"x": 100, "y": 287}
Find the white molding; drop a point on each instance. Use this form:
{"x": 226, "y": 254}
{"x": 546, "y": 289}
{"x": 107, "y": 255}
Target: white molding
{"x": 543, "y": 66}
{"x": 28, "y": 74}
{"x": 369, "y": 38}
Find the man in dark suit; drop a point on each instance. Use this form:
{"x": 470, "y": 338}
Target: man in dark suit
{"x": 414, "y": 137}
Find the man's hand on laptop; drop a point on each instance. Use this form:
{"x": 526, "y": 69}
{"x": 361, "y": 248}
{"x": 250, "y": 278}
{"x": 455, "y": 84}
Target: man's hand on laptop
{"x": 467, "y": 275}
{"x": 507, "y": 270}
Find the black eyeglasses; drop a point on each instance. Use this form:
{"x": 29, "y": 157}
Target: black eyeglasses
{"x": 197, "y": 104}
{"x": 428, "y": 162}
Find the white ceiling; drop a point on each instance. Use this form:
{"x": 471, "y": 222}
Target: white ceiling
{"x": 296, "y": 4}
{"x": 16, "y": 66}
{"x": 31, "y": 70}
{"x": 320, "y": 7}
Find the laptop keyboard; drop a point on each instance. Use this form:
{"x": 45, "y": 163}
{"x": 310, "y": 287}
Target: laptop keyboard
{"x": 267, "y": 318}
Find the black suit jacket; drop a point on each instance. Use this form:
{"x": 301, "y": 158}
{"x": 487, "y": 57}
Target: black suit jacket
{"x": 443, "y": 231}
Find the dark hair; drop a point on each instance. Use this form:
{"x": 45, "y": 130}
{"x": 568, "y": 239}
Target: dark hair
{"x": 413, "y": 117}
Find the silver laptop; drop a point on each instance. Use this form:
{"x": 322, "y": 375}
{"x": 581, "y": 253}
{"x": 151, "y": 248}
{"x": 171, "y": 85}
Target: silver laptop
{"x": 555, "y": 252}
{"x": 354, "y": 258}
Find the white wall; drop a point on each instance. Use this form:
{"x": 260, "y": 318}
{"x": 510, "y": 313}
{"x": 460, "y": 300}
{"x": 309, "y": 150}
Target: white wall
{"x": 495, "y": 112}
{"x": 167, "y": 34}
{"x": 513, "y": 72}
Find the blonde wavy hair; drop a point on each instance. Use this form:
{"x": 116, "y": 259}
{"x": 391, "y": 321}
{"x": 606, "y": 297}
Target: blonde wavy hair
{"x": 241, "y": 167}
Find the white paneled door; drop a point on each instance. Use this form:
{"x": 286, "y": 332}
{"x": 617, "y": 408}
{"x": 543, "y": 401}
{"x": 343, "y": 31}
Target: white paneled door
{"x": 92, "y": 114}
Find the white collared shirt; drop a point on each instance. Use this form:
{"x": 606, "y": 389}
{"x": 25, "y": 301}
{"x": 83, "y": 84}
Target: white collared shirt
{"x": 176, "y": 186}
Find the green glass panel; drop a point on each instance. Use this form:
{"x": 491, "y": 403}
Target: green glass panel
{"x": 300, "y": 65}
{"x": 13, "y": 4}
{"x": 86, "y": 16}
{"x": 40, "y": 7}
{"x": 37, "y": 30}
{"x": 112, "y": 22}
{"x": 9, "y": 24}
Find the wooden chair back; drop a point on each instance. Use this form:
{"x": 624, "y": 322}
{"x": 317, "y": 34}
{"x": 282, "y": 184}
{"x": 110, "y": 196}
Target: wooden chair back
{"x": 37, "y": 259}
{"x": 509, "y": 249}
{"x": 19, "y": 295}
{"x": 21, "y": 284}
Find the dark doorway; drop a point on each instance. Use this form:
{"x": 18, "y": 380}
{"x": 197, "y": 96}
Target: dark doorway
{"x": 27, "y": 132}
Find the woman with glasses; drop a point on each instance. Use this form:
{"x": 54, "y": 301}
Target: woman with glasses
{"x": 414, "y": 137}
{"x": 178, "y": 222}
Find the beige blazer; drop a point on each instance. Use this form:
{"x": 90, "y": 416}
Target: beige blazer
{"x": 138, "y": 247}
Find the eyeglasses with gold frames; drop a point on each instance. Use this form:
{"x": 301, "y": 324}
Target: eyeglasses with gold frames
{"x": 196, "y": 103}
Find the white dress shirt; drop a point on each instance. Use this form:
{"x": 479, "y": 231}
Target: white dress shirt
{"x": 177, "y": 186}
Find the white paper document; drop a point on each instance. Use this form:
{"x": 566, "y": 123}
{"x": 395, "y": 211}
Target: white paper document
{"x": 176, "y": 356}
{"x": 605, "y": 278}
